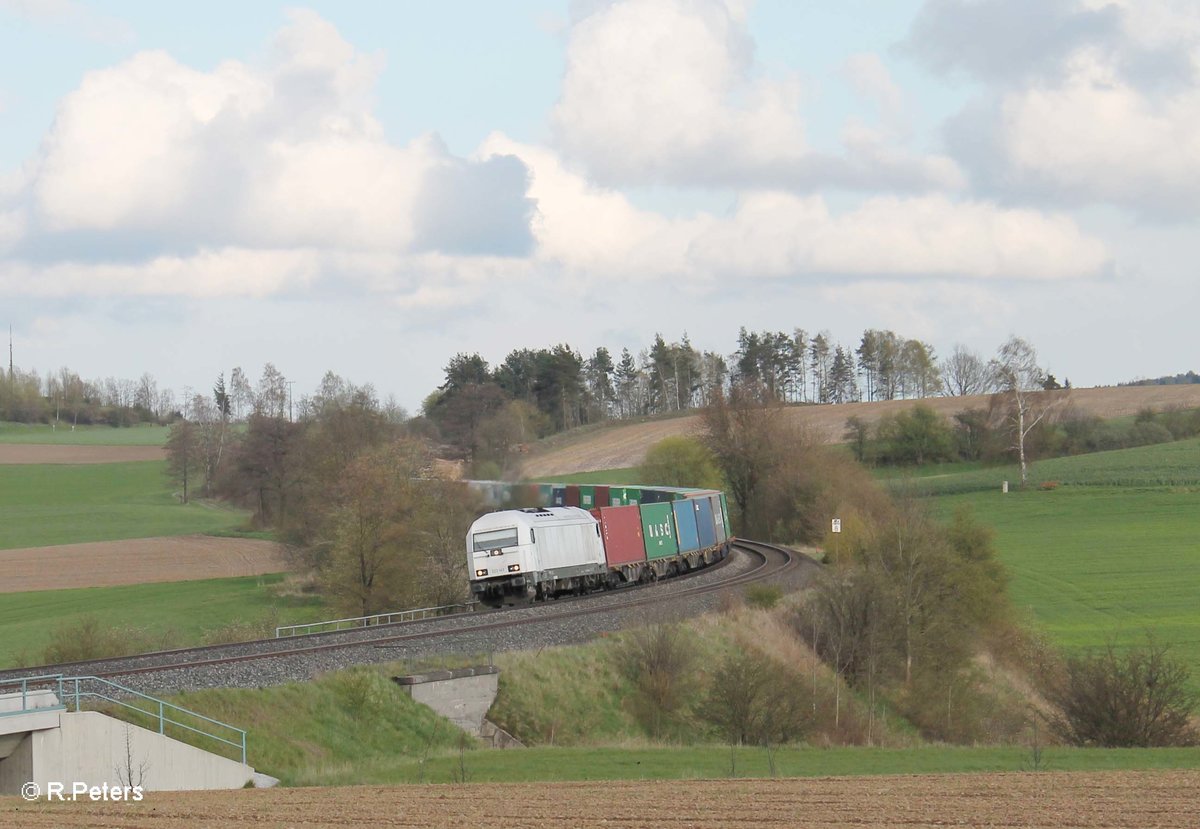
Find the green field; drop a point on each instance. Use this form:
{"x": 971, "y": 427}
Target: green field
{"x": 356, "y": 727}
{"x": 171, "y": 614}
{"x": 64, "y": 504}
{"x": 144, "y": 435}
{"x": 621, "y": 477}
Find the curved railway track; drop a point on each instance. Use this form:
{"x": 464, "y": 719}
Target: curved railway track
{"x": 773, "y": 562}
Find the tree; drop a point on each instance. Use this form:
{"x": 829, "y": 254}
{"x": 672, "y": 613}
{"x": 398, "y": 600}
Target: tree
{"x": 681, "y": 461}
{"x": 741, "y": 431}
{"x": 372, "y": 529}
{"x": 658, "y": 660}
{"x": 184, "y": 456}
{"x": 1015, "y": 371}
{"x": 753, "y": 702}
{"x": 965, "y": 372}
{"x": 916, "y": 436}
{"x": 1113, "y": 699}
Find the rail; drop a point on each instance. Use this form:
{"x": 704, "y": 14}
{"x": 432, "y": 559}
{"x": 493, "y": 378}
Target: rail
{"x": 72, "y": 691}
{"x": 26, "y": 684}
{"x": 412, "y": 615}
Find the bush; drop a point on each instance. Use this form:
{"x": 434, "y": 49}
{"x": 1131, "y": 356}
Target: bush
{"x": 1136, "y": 698}
{"x": 752, "y": 702}
{"x": 658, "y": 661}
{"x": 764, "y": 596}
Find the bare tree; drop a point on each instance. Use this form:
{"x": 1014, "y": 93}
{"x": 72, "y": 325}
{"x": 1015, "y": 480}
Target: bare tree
{"x": 1016, "y": 373}
{"x": 965, "y": 372}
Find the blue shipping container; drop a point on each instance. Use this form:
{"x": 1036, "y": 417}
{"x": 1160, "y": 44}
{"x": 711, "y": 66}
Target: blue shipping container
{"x": 704, "y": 521}
{"x": 558, "y": 496}
{"x": 685, "y": 526}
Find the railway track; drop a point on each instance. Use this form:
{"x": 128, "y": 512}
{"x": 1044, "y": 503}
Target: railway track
{"x": 386, "y": 642}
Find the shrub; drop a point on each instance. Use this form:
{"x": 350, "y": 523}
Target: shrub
{"x": 1136, "y": 698}
{"x": 764, "y": 596}
{"x": 658, "y": 660}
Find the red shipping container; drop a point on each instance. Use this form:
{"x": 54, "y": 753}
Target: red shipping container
{"x": 621, "y": 529}
{"x": 572, "y": 496}
{"x": 603, "y": 496}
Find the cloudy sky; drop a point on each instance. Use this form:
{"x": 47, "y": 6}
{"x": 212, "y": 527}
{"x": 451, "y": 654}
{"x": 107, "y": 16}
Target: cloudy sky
{"x": 372, "y": 187}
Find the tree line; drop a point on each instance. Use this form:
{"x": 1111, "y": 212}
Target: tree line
{"x": 485, "y": 414}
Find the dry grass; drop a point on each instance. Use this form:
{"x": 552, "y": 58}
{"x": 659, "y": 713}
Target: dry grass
{"x": 624, "y": 445}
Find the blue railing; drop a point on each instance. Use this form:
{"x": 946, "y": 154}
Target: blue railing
{"x": 73, "y": 691}
{"x": 27, "y": 684}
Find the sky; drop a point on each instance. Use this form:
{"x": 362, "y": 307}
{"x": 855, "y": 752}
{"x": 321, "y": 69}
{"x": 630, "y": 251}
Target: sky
{"x": 372, "y": 187}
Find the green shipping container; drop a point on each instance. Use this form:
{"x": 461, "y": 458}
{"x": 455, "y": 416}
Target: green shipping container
{"x": 725, "y": 515}
{"x": 658, "y": 530}
{"x": 587, "y": 497}
{"x": 545, "y": 495}
{"x": 624, "y": 496}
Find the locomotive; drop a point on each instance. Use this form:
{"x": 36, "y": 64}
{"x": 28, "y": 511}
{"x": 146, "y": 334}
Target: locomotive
{"x": 630, "y": 535}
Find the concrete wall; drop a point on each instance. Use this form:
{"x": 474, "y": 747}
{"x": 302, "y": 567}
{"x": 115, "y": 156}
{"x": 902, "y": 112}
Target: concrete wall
{"x": 92, "y": 748}
{"x": 462, "y": 696}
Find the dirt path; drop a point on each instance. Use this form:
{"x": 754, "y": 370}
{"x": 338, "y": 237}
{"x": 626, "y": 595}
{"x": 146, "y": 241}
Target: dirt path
{"x": 11, "y": 453}
{"x": 625, "y": 445}
{"x": 1110, "y": 799}
{"x": 138, "y": 561}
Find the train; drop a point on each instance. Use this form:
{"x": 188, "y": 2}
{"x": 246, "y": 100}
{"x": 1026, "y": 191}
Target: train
{"x": 581, "y": 539}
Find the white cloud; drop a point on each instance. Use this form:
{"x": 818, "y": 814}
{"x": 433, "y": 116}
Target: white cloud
{"x": 1111, "y": 115}
{"x": 287, "y": 155}
{"x": 776, "y": 234}
{"x": 667, "y": 91}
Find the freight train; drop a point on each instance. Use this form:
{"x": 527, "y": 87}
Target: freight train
{"x": 589, "y": 538}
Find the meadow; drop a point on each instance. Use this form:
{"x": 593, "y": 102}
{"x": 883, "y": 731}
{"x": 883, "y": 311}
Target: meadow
{"x": 103, "y": 435}
{"x": 63, "y": 504}
{"x": 152, "y": 616}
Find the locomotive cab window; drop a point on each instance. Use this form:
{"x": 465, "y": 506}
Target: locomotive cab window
{"x": 494, "y": 539}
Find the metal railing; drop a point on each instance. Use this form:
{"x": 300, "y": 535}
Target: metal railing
{"x": 72, "y": 691}
{"x": 412, "y": 615}
{"x": 26, "y": 684}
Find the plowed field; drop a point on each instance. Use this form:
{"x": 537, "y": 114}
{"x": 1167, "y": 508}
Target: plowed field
{"x": 625, "y": 445}
{"x": 47, "y": 453}
{"x": 1126, "y": 799}
{"x": 137, "y": 561}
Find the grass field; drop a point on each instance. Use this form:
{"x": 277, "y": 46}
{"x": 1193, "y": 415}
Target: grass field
{"x": 622, "y": 477}
{"x": 64, "y": 504}
{"x": 143, "y": 435}
{"x": 161, "y": 615}
{"x": 356, "y": 727}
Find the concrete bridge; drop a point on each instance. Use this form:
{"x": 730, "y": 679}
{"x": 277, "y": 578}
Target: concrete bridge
{"x": 46, "y": 738}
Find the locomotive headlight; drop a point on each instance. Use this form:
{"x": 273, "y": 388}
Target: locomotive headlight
{"x": 496, "y": 553}
{"x": 514, "y": 568}
{"x": 481, "y": 572}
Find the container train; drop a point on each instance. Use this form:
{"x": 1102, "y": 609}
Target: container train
{"x": 580, "y": 539}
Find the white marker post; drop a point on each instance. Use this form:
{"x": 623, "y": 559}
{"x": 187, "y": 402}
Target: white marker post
{"x": 837, "y": 530}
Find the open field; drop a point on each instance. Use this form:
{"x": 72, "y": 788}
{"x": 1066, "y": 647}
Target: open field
{"x": 63, "y": 435}
{"x": 1094, "y": 563}
{"x": 19, "y": 453}
{"x": 162, "y": 615}
{"x": 624, "y": 445}
{"x": 47, "y": 504}
{"x": 1165, "y": 799}
{"x": 137, "y": 561}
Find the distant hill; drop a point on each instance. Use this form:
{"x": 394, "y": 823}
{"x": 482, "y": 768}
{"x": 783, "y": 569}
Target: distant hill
{"x": 1173, "y": 380}
{"x": 624, "y": 444}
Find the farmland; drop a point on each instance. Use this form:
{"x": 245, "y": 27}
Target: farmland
{"x": 64, "y": 435}
{"x": 152, "y": 615}
{"x": 1164, "y": 799}
{"x": 65, "y": 504}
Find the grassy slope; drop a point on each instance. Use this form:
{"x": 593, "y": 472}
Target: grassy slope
{"x": 64, "y": 504}
{"x": 358, "y": 728}
{"x": 164, "y": 615}
{"x": 145, "y": 435}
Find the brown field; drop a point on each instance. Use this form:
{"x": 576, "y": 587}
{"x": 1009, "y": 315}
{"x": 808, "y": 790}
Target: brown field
{"x": 138, "y": 561}
{"x": 1109, "y": 799}
{"x": 45, "y": 453}
{"x": 625, "y": 445}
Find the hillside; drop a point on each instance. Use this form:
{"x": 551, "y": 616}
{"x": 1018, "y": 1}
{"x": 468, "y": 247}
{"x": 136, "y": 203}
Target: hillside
{"x": 624, "y": 445}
